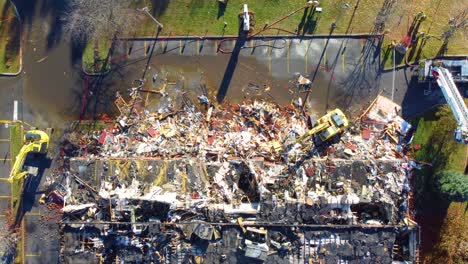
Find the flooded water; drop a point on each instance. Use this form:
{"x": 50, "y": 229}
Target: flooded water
{"x": 251, "y": 79}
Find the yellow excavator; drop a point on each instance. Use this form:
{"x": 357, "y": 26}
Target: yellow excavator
{"x": 329, "y": 125}
{"x": 35, "y": 141}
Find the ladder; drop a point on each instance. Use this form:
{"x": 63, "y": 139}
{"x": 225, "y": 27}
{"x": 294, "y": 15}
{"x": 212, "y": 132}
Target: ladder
{"x": 455, "y": 101}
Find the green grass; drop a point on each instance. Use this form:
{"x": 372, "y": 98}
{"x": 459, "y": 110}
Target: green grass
{"x": 200, "y": 17}
{"x": 203, "y": 17}
{"x": 9, "y": 39}
{"x": 94, "y": 64}
{"x": 16, "y": 142}
{"x": 84, "y": 127}
{"x": 435, "y": 135}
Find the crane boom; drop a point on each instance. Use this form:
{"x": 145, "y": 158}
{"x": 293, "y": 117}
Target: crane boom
{"x": 455, "y": 100}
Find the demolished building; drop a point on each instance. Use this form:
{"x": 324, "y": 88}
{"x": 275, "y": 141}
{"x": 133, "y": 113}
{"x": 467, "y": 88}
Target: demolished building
{"x": 230, "y": 185}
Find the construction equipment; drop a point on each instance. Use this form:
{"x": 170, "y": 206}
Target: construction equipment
{"x": 329, "y": 125}
{"x": 455, "y": 101}
{"x": 35, "y": 141}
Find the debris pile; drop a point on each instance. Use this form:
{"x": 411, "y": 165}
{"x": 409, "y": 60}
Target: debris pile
{"x": 250, "y": 130}
{"x": 255, "y": 130}
{"x": 191, "y": 185}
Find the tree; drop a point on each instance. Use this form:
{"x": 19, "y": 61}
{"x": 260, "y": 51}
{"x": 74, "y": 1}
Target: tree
{"x": 91, "y": 19}
{"x": 452, "y": 246}
{"x": 460, "y": 21}
{"x": 453, "y": 185}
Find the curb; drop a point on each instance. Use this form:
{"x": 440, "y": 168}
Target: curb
{"x": 321, "y": 36}
{"x": 416, "y": 63}
{"x": 14, "y": 74}
{"x": 94, "y": 74}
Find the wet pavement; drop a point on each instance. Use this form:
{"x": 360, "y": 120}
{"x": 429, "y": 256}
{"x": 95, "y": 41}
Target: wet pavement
{"x": 261, "y": 63}
{"x": 6, "y": 91}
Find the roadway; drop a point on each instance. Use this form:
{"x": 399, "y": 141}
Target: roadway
{"x": 9, "y": 90}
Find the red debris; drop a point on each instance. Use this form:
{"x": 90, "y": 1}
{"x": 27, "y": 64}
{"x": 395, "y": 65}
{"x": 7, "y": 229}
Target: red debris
{"x": 366, "y": 133}
{"x": 350, "y": 146}
{"x": 330, "y": 150}
{"x": 310, "y": 171}
{"x": 152, "y": 132}
{"x": 211, "y": 139}
{"x": 104, "y": 136}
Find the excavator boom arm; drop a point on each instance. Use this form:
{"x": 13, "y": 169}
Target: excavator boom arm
{"x": 36, "y": 141}
{"x": 15, "y": 172}
{"x": 313, "y": 131}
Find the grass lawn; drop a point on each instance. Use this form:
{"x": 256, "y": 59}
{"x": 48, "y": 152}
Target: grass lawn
{"x": 16, "y": 142}
{"x": 441, "y": 230}
{"x": 92, "y": 63}
{"x": 208, "y": 17}
{"x": 200, "y": 17}
{"x": 9, "y": 39}
{"x": 435, "y": 136}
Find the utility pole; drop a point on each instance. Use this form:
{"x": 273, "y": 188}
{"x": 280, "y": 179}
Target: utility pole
{"x": 343, "y": 8}
{"x": 156, "y": 34}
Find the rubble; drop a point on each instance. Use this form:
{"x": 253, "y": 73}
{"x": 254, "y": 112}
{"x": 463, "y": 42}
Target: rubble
{"x": 192, "y": 183}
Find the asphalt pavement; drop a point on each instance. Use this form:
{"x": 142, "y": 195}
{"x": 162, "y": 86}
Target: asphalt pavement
{"x": 345, "y": 72}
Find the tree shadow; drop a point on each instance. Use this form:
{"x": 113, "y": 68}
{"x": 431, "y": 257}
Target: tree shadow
{"x": 53, "y": 8}
{"x": 352, "y": 17}
{"x": 399, "y": 58}
{"x": 77, "y": 50}
{"x": 12, "y": 48}
{"x": 415, "y": 100}
{"x": 432, "y": 208}
{"x": 443, "y": 49}
{"x": 26, "y": 9}
{"x": 56, "y": 9}
{"x": 303, "y": 20}
{"x": 311, "y": 23}
{"x": 420, "y": 49}
{"x": 308, "y": 23}
{"x": 332, "y": 70}
{"x": 6, "y": 7}
{"x": 158, "y": 7}
{"x": 318, "y": 66}
{"x": 363, "y": 81}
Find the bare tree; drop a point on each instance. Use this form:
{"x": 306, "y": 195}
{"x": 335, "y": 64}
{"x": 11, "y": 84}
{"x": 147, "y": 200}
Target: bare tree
{"x": 459, "y": 22}
{"x": 88, "y": 19}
